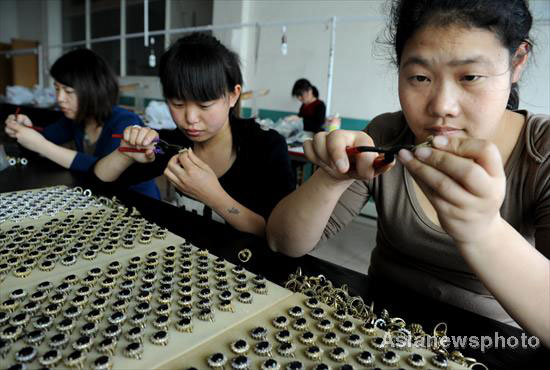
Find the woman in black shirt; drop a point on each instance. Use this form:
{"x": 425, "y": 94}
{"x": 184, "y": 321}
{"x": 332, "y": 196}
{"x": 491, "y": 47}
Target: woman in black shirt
{"x": 312, "y": 110}
{"x": 233, "y": 171}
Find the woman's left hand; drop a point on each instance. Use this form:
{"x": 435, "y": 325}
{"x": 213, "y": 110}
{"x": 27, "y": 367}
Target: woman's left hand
{"x": 194, "y": 177}
{"x": 27, "y": 137}
{"x": 464, "y": 180}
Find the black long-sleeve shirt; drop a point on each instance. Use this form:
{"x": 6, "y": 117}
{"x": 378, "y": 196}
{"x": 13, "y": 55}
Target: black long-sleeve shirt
{"x": 258, "y": 179}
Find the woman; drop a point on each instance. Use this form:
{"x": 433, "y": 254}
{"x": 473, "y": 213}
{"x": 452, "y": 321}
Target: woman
{"x": 467, "y": 220}
{"x": 312, "y": 110}
{"x": 233, "y": 171}
{"x": 86, "y": 91}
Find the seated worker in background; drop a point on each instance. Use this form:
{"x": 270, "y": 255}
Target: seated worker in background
{"x": 465, "y": 220}
{"x": 86, "y": 91}
{"x": 233, "y": 171}
{"x": 312, "y": 110}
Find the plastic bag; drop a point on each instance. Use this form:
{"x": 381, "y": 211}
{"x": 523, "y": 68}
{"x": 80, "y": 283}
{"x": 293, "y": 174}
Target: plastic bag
{"x": 157, "y": 116}
{"x": 19, "y": 95}
{"x": 291, "y": 129}
{"x": 43, "y": 97}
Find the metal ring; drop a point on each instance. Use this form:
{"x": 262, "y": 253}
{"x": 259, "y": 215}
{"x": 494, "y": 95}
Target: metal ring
{"x": 244, "y": 255}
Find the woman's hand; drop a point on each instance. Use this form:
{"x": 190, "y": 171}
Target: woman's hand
{"x": 20, "y": 128}
{"x": 194, "y": 177}
{"x": 141, "y": 138}
{"x": 328, "y": 151}
{"x": 464, "y": 180}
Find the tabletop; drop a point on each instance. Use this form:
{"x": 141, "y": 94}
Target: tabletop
{"x": 224, "y": 241}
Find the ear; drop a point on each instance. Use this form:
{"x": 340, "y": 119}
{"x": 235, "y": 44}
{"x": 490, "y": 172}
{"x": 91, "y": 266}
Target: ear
{"x": 234, "y": 95}
{"x": 519, "y": 61}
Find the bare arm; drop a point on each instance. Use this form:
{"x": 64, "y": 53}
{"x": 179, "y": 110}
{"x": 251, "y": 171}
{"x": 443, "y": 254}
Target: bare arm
{"x": 297, "y": 222}
{"x": 110, "y": 167}
{"x": 237, "y": 215}
{"x": 56, "y": 153}
{"x": 465, "y": 182}
{"x": 20, "y": 129}
{"x": 517, "y": 275}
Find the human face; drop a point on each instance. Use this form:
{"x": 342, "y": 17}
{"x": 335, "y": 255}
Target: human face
{"x": 306, "y": 97}
{"x": 66, "y": 99}
{"x": 200, "y": 121}
{"x": 455, "y": 81}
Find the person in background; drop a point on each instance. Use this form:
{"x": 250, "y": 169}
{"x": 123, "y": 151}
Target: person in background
{"x": 233, "y": 171}
{"x": 467, "y": 219}
{"x": 86, "y": 91}
{"x": 313, "y": 110}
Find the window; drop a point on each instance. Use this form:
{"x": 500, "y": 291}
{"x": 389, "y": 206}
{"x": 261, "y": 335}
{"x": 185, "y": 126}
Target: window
{"x": 137, "y": 55}
{"x": 105, "y": 22}
{"x": 74, "y": 24}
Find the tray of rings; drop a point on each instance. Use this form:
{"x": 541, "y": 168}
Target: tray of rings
{"x": 87, "y": 283}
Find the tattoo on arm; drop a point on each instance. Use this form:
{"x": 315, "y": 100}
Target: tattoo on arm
{"x": 233, "y": 210}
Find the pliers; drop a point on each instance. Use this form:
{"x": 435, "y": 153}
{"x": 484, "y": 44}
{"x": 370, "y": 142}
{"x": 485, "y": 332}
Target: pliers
{"x": 389, "y": 152}
{"x": 161, "y": 146}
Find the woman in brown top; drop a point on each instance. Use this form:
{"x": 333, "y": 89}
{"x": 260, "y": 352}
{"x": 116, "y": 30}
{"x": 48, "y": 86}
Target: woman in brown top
{"x": 467, "y": 220}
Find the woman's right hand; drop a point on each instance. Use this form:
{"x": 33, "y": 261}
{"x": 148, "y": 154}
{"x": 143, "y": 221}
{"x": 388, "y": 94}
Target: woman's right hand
{"x": 328, "y": 151}
{"x": 140, "y": 138}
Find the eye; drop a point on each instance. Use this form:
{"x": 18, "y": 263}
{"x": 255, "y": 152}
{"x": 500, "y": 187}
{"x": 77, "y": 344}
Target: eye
{"x": 205, "y": 105}
{"x": 420, "y": 78}
{"x": 471, "y": 78}
{"x": 177, "y": 104}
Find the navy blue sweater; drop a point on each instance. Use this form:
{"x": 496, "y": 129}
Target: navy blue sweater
{"x": 66, "y": 130}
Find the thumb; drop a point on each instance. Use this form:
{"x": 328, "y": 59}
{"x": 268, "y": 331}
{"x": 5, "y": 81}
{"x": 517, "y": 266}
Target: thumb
{"x": 195, "y": 159}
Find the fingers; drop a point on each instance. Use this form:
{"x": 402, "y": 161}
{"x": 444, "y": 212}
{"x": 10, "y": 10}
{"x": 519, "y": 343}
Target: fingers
{"x": 192, "y": 159}
{"x": 473, "y": 164}
{"x": 12, "y": 124}
{"x": 435, "y": 179}
{"x": 139, "y": 136}
{"x": 174, "y": 172}
{"x": 10, "y": 132}
{"x": 483, "y": 152}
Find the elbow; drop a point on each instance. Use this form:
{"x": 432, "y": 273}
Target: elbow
{"x": 281, "y": 244}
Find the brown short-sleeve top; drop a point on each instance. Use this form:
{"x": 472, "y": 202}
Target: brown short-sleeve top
{"x": 418, "y": 254}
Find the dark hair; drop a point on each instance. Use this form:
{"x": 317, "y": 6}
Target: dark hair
{"x": 301, "y": 86}
{"x": 509, "y": 20}
{"x": 94, "y": 82}
{"x": 198, "y": 67}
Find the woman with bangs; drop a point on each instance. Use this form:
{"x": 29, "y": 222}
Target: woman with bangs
{"x": 86, "y": 91}
{"x": 232, "y": 170}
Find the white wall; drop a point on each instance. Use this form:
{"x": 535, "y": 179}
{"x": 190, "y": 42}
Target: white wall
{"x": 364, "y": 81}
{"x": 534, "y": 87}
{"x": 363, "y": 84}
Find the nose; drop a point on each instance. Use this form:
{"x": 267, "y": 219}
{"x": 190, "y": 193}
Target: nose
{"x": 444, "y": 100}
{"x": 191, "y": 115}
{"x": 61, "y": 96}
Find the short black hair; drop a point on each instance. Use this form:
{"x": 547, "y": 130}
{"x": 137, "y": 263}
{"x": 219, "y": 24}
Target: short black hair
{"x": 93, "y": 80}
{"x": 301, "y": 86}
{"x": 198, "y": 67}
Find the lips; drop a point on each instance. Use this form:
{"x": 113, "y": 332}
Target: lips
{"x": 193, "y": 132}
{"x": 443, "y": 130}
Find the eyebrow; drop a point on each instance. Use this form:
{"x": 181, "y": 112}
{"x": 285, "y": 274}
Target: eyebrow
{"x": 453, "y": 63}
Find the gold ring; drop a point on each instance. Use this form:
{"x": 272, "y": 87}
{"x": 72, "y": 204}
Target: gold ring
{"x": 244, "y": 255}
